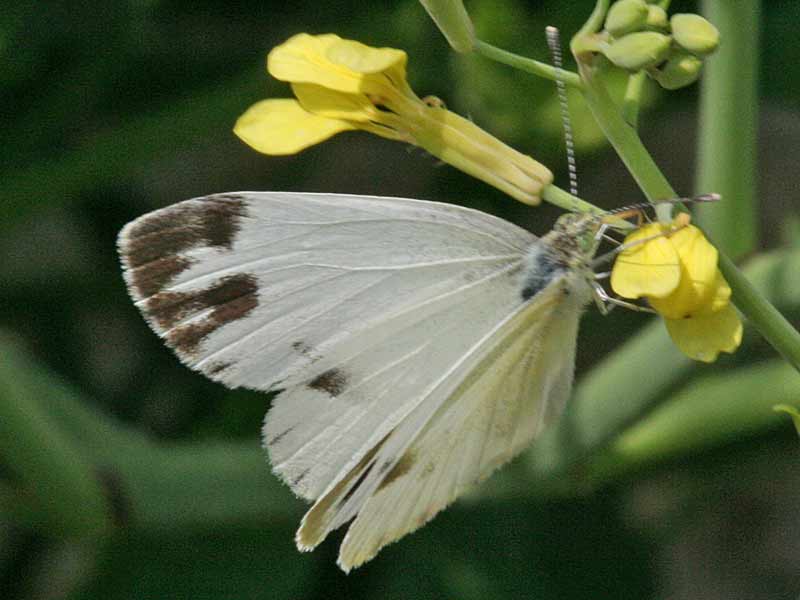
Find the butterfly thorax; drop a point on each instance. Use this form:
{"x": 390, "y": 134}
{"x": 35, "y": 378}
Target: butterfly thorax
{"x": 565, "y": 253}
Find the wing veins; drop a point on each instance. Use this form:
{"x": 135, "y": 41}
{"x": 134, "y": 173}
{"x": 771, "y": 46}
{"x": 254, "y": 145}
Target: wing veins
{"x": 367, "y": 326}
{"x": 450, "y": 398}
{"x": 287, "y": 332}
{"x": 361, "y": 382}
{"x": 418, "y": 265}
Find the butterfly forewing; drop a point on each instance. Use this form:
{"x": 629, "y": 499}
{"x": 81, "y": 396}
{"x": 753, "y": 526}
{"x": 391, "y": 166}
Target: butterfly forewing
{"x": 251, "y": 288}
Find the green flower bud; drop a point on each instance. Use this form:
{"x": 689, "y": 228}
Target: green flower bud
{"x": 680, "y": 70}
{"x": 657, "y": 18}
{"x": 453, "y": 21}
{"x": 626, "y": 16}
{"x": 695, "y": 34}
{"x": 637, "y": 51}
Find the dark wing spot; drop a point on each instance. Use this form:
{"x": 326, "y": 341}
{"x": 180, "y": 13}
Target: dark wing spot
{"x": 332, "y": 381}
{"x": 301, "y": 348}
{"x": 279, "y": 437}
{"x": 222, "y": 219}
{"x": 153, "y": 244}
{"x": 228, "y": 296}
{"x": 300, "y": 477}
{"x": 154, "y": 276}
{"x": 229, "y": 299}
{"x": 402, "y": 467}
{"x": 216, "y": 368}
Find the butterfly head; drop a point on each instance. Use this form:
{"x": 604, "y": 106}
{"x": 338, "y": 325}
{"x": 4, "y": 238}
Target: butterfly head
{"x": 576, "y": 234}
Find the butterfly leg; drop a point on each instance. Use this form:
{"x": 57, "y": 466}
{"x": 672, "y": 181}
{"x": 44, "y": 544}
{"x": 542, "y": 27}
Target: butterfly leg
{"x": 605, "y": 303}
{"x": 601, "y": 232}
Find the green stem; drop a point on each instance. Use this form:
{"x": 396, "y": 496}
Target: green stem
{"x": 791, "y": 411}
{"x": 64, "y": 406}
{"x": 633, "y": 98}
{"x": 563, "y": 199}
{"x": 528, "y": 65}
{"x": 56, "y": 474}
{"x": 776, "y": 329}
{"x": 202, "y": 486}
{"x": 709, "y": 412}
{"x": 769, "y": 322}
{"x": 727, "y": 161}
{"x": 595, "y": 21}
{"x": 626, "y": 142}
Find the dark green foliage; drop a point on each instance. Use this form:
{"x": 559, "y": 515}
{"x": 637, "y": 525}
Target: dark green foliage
{"x": 112, "y": 109}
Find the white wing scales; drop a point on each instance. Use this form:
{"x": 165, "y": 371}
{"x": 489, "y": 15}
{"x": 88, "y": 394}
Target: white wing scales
{"x": 373, "y": 315}
{"x": 491, "y": 417}
{"x": 324, "y": 266}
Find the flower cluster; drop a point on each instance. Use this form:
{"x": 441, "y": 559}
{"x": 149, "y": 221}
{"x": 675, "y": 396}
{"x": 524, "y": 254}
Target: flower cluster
{"x": 342, "y": 85}
{"x": 674, "y": 267}
{"x": 638, "y": 36}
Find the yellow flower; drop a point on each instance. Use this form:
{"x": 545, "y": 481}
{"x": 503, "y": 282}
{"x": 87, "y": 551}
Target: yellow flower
{"x": 674, "y": 267}
{"x": 341, "y": 85}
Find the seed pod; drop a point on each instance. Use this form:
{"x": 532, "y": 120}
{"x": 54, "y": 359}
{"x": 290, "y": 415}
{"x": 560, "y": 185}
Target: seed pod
{"x": 694, "y": 33}
{"x": 680, "y": 70}
{"x": 626, "y": 16}
{"x": 640, "y": 50}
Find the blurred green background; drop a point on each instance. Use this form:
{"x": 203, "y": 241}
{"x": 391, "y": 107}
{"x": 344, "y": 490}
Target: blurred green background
{"x": 114, "y": 109}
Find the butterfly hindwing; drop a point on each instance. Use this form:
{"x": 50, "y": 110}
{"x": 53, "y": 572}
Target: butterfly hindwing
{"x": 522, "y": 382}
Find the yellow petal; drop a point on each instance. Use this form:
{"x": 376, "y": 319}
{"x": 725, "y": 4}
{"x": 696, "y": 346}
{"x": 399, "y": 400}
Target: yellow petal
{"x": 283, "y": 127}
{"x": 703, "y": 337}
{"x": 648, "y": 268}
{"x": 721, "y": 295}
{"x": 698, "y": 261}
{"x": 356, "y": 109}
{"x": 364, "y": 59}
{"x": 461, "y": 143}
{"x": 331, "y": 62}
{"x": 333, "y": 104}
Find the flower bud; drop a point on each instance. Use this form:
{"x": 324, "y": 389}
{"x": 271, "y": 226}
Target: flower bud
{"x": 680, "y": 70}
{"x": 657, "y": 17}
{"x": 694, "y": 33}
{"x": 453, "y": 21}
{"x": 626, "y": 16}
{"x": 639, "y": 50}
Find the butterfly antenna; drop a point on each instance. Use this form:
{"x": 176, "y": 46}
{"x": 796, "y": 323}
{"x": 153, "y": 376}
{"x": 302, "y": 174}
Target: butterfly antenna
{"x": 632, "y": 208}
{"x": 554, "y": 43}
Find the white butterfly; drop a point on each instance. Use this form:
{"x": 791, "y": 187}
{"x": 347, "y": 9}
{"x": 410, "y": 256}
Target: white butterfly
{"x": 418, "y": 345}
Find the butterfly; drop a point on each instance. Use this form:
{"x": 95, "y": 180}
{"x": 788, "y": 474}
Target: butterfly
{"x": 416, "y": 346}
